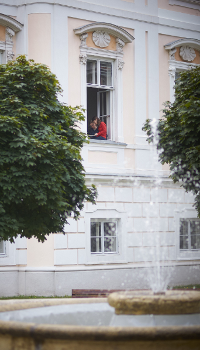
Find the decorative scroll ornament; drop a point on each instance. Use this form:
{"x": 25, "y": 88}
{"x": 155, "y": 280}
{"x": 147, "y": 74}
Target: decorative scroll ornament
{"x": 187, "y": 53}
{"x": 120, "y": 64}
{"x": 10, "y": 55}
{"x": 83, "y": 38}
{"x": 83, "y": 58}
{"x": 100, "y": 38}
{"x": 120, "y": 44}
{"x": 172, "y": 71}
{"x": 9, "y": 34}
{"x": 172, "y": 54}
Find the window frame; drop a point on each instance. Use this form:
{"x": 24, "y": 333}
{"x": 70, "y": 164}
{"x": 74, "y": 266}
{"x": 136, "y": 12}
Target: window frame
{"x": 110, "y": 88}
{"x": 116, "y": 93}
{"x": 176, "y": 67}
{"x": 3, "y": 253}
{"x": 185, "y": 254}
{"x": 189, "y": 220}
{"x": 102, "y": 221}
{"x": 98, "y": 85}
{"x": 121, "y": 255}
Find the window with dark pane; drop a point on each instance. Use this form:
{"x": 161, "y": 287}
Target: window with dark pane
{"x": 91, "y": 72}
{"x": 110, "y": 237}
{"x": 1, "y": 247}
{"x": 95, "y": 237}
{"x": 195, "y": 234}
{"x": 99, "y": 90}
{"x": 104, "y": 237}
{"x": 106, "y": 73}
{"x": 189, "y": 234}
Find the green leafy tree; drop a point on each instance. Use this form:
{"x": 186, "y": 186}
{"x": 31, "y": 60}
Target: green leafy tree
{"x": 178, "y": 133}
{"x": 41, "y": 175}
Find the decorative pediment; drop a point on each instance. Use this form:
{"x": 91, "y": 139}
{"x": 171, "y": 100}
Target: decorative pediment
{"x": 103, "y": 30}
{"x": 13, "y": 24}
{"x": 187, "y": 48}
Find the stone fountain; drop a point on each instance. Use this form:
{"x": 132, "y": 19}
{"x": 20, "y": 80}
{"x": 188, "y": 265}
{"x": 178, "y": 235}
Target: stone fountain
{"x": 141, "y": 320}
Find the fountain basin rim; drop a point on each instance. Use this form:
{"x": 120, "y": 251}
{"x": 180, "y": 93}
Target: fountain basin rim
{"x": 146, "y": 302}
{"x": 103, "y": 333}
{"x": 23, "y": 304}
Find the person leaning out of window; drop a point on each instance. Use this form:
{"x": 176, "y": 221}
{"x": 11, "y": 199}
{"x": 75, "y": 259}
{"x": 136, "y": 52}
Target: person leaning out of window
{"x": 102, "y": 129}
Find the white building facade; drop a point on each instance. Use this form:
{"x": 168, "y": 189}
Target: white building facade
{"x": 118, "y": 59}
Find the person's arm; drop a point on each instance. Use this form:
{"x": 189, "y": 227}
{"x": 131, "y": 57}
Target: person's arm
{"x": 102, "y": 130}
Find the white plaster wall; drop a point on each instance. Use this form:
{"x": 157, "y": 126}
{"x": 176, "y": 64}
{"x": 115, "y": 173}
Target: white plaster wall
{"x": 60, "y": 282}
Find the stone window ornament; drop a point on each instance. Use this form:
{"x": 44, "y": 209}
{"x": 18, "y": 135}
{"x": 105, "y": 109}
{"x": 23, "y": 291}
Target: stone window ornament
{"x": 10, "y": 55}
{"x": 9, "y": 34}
{"x": 101, "y": 38}
{"x": 9, "y": 40}
{"x": 187, "y": 53}
{"x": 120, "y": 64}
{"x": 83, "y": 38}
{"x": 120, "y": 44}
{"x": 83, "y": 58}
{"x": 172, "y": 54}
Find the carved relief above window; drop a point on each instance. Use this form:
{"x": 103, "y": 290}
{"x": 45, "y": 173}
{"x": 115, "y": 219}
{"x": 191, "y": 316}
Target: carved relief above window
{"x": 100, "y": 38}
{"x": 187, "y": 53}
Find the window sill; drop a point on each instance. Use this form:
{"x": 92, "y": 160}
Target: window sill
{"x": 108, "y": 142}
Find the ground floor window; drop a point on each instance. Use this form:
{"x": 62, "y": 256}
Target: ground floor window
{"x": 2, "y": 247}
{"x": 189, "y": 234}
{"x": 103, "y": 235}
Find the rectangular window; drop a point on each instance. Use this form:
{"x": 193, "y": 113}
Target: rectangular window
{"x": 2, "y": 247}
{"x": 103, "y": 235}
{"x": 99, "y": 92}
{"x": 189, "y": 234}
{"x": 1, "y": 55}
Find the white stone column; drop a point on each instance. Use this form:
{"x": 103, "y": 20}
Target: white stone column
{"x": 59, "y": 51}
{"x": 119, "y": 101}
{"x": 140, "y": 83}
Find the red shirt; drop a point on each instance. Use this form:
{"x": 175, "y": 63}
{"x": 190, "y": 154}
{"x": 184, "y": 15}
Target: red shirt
{"x": 102, "y": 130}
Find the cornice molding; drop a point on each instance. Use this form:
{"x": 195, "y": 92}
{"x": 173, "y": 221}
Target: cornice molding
{"x": 10, "y": 22}
{"x": 109, "y": 28}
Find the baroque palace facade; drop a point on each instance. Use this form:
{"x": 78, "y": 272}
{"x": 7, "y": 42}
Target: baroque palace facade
{"x": 118, "y": 59}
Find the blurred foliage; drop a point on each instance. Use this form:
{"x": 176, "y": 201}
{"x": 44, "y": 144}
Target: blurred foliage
{"x": 190, "y": 286}
{"x": 178, "y": 133}
{"x": 41, "y": 175}
{"x": 34, "y": 297}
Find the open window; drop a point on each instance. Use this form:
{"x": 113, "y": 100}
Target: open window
{"x": 99, "y": 91}
{"x": 101, "y": 59}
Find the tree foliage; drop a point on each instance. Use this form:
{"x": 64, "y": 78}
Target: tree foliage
{"x": 41, "y": 174}
{"x": 178, "y": 133}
